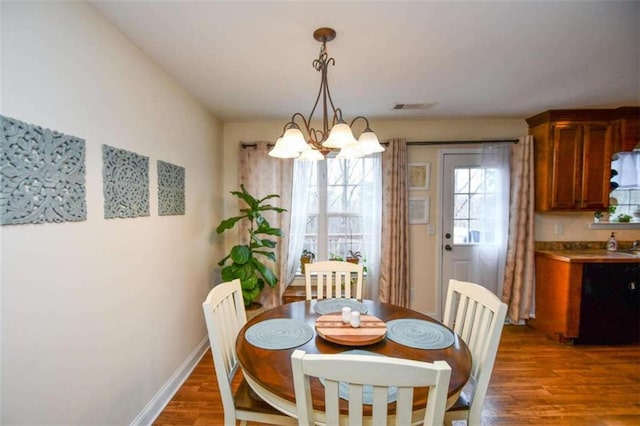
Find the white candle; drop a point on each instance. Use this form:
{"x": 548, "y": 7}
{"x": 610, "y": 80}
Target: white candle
{"x": 346, "y": 315}
{"x": 355, "y": 319}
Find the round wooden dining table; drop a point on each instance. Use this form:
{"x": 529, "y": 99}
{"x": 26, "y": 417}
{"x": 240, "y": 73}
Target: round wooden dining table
{"x": 269, "y": 372}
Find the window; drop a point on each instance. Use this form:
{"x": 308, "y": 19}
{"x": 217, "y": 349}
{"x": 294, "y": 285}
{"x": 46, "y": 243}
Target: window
{"x": 625, "y": 172}
{"x": 335, "y": 220}
{"x": 628, "y": 200}
{"x": 474, "y": 195}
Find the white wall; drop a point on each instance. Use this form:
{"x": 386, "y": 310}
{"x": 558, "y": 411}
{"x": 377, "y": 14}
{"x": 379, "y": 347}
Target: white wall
{"x": 97, "y": 315}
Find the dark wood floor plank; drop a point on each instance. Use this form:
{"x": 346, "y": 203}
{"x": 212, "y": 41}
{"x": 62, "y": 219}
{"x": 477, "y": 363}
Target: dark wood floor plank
{"x": 536, "y": 381}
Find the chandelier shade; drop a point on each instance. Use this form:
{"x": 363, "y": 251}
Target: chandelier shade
{"x": 340, "y": 136}
{"x": 307, "y": 143}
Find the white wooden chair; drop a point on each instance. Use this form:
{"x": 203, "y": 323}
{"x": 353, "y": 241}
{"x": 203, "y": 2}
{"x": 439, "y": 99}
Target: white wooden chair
{"x": 225, "y": 315}
{"x": 380, "y": 372}
{"x": 477, "y": 316}
{"x": 332, "y": 278}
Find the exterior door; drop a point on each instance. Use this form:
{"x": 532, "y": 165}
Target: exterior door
{"x": 468, "y": 198}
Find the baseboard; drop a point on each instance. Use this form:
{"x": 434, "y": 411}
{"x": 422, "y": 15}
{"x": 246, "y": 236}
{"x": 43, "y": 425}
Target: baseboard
{"x": 160, "y": 400}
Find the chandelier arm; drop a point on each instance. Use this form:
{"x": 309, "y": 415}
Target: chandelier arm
{"x": 337, "y": 112}
{"x": 293, "y": 121}
{"x": 322, "y": 65}
{"x": 365, "y": 120}
{"x": 312, "y": 134}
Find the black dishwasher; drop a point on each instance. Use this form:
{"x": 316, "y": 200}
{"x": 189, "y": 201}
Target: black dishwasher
{"x": 610, "y": 308}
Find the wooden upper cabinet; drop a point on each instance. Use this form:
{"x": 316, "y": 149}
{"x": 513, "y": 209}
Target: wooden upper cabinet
{"x": 572, "y": 153}
{"x": 626, "y": 129}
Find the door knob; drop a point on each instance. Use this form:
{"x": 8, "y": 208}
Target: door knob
{"x": 447, "y": 235}
{"x": 448, "y": 247}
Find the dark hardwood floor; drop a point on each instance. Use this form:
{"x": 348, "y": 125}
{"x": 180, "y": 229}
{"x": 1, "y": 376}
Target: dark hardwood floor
{"x": 535, "y": 381}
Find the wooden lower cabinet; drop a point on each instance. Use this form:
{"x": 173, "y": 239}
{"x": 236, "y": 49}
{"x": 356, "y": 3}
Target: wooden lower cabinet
{"x": 558, "y": 295}
{"x": 595, "y": 301}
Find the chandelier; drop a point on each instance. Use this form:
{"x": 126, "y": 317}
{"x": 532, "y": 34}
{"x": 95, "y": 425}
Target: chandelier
{"x": 317, "y": 143}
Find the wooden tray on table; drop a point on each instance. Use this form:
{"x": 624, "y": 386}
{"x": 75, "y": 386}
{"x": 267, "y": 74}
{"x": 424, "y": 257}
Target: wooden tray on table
{"x": 371, "y": 330}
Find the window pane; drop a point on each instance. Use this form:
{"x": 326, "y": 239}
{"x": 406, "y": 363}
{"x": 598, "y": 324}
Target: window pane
{"x": 476, "y": 179}
{"x": 461, "y": 177}
{"x": 310, "y": 244}
{"x": 337, "y": 225}
{"x": 475, "y": 226}
{"x": 460, "y": 231}
{"x": 476, "y": 205}
{"x": 353, "y": 199}
{"x": 335, "y": 199}
{"x": 312, "y": 225}
{"x": 461, "y": 206}
{"x": 491, "y": 176}
{"x": 354, "y": 224}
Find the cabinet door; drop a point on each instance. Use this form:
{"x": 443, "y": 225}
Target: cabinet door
{"x": 596, "y": 166}
{"x": 567, "y": 166}
{"x": 581, "y": 166}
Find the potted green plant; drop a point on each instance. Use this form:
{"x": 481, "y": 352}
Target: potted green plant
{"x": 624, "y": 218}
{"x": 354, "y": 257}
{"x": 246, "y": 261}
{"x": 307, "y": 256}
{"x": 333, "y": 256}
{"x": 597, "y": 216}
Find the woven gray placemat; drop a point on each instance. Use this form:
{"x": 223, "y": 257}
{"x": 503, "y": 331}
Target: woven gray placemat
{"x": 279, "y": 333}
{"x": 419, "y": 334}
{"x": 327, "y": 306}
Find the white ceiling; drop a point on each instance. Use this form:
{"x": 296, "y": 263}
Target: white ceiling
{"x": 252, "y": 60}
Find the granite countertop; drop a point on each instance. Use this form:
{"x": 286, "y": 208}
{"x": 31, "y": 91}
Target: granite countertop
{"x": 589, "y": 255}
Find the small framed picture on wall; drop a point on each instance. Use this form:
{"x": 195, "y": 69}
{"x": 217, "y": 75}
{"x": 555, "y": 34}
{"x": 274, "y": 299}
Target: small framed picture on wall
{"x": 419, "y": 176}
{"x": 418, "y": 210}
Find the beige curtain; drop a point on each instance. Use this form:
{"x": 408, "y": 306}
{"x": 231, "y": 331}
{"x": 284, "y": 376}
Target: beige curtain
{"x": 518, "y": 290}
{"x": 263, "y": 175}
{"x": 394, "y": 265}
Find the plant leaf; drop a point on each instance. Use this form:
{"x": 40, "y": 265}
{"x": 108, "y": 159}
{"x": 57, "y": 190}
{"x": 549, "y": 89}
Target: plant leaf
{"x": 271, "y": 231}
{"x": 268, "y": 254}
{"x": 250, "y": 283}
{"x": 227, "y": 274}
{"x": 268, "y": 243}
{"x": 250, "y": 295}
{"x": 268, "y": 274}
{"x": 220, "y": 263}
{"x": 228, "y": 224}
{"x": 246, "y": 197}
{"x": 269, "y": 207}
{"x": 240, "y": 254}
{"x": 268, "y": 197}
{"x": 270, "y": 277}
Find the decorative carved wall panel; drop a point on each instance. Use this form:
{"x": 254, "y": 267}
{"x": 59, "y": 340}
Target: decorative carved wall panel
{"x": 42, "y": 175}
{"x": 125, "y": 183}
{"x": 170, "y": 189}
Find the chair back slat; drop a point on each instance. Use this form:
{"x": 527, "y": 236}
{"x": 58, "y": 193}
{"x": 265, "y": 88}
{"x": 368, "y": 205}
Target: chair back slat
{"x": 404, "y": 406}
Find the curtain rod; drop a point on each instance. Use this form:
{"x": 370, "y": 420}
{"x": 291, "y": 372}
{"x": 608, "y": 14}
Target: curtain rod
{"x": 420, "y": 143}
{"x": 255, "y": 145}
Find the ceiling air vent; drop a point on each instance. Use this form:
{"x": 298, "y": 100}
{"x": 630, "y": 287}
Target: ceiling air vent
{"x": 412, "y": 106}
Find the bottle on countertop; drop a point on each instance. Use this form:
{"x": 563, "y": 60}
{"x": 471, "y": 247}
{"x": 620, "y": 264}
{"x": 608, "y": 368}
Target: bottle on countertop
{"x": 612, "y": 243}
